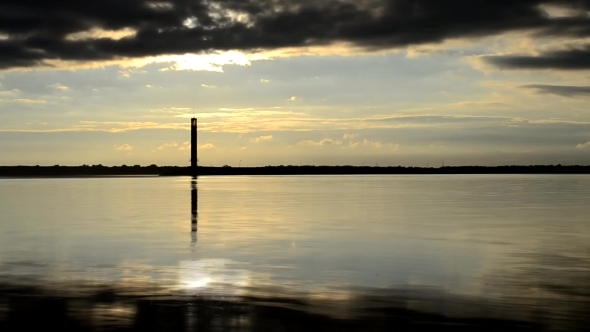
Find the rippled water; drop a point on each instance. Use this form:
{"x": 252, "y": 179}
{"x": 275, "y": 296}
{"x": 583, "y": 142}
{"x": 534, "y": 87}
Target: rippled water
{"x": 511, "y": 240}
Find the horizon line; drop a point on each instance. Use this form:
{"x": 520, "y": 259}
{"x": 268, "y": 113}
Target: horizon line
{"x": 303, "y": 165}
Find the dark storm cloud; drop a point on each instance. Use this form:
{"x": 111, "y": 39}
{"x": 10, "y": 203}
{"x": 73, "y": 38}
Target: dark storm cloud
{"x": 569, "y": 59}
{"x": 34, "y": 31}
{"x": 560, "y": 90}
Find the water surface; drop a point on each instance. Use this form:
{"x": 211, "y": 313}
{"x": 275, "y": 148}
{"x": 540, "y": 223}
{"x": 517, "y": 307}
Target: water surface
{"x": 512, "y": 240}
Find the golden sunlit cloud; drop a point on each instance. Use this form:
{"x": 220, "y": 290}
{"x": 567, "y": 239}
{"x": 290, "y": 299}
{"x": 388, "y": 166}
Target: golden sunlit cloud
{"x": 265, "y": 122}
{"x": 206, "y": 115}
{"x": 167, "y": 145}
{"x": 238, "y": 114}
{"x": 208, "y": 86}
{"x": 28, "y": 101}
{"x": 556, "y": 11}
{"x": 97, "y": 33}
{"x": 293, "y": 98}
{"x": 9, "y": 93}
{"x": 583, "y": 145}
{"x": 345, "y": 49}
{"x": 262, "y": 80}
{"x": 261, "y": 139}
{"x": 235, "y": 109}
{"x": 119, "y": 126}
{"x": 480, "y": 104}
{"x": 123, "y": 147}
{"x": 323, "y": 142}
{"x": 187, "y": 146}
{"x": 374, "y": 145}
{"x": 351, "y": 145}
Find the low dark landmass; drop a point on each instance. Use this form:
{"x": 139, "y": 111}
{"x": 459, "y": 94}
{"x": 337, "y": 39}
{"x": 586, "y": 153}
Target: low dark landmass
{"x": 137, "y": 170}
{"x": 363, "y": 170}
{"x": 104, "y": 308}
{"x": 84, "y": 170}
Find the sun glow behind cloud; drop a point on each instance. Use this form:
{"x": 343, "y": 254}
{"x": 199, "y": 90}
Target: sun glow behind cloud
{"x": 206, "y": 62}
{"x": 213, "y": 61}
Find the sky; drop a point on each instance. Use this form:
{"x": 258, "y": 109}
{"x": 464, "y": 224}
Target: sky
{"x": 325, "y": 82}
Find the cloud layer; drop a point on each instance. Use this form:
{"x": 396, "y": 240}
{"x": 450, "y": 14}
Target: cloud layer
{"x": 560, "y": 90}
{"x": 41, "y": 33}
{"x": 573, "y": 58}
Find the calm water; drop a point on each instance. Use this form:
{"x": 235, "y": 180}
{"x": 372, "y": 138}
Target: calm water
{"x": 515, "y": 240}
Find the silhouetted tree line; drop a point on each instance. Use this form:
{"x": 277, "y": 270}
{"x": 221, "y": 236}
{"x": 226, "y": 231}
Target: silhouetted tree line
{"x": 100, "y": 170}
{"x": 358, "y": 170}
{"x": 84, "y": 170}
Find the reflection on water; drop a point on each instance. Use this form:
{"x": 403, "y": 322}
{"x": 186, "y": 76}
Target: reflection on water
{"x": 217, "y": 276}
{"x": 347, "y": 253}
{"x": 194, "y": 212}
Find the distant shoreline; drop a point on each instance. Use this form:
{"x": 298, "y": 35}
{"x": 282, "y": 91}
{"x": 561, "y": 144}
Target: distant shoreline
{"x": 368, "y": 170}
{"x": 153, "y": 170}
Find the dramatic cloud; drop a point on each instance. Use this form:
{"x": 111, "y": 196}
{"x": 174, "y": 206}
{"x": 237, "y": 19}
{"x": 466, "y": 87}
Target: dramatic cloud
{"x": 37, "y": 33}
{"x": 568, "y": 59}
{"x": 583, "y": 145}
{"x": 560, "y": 90}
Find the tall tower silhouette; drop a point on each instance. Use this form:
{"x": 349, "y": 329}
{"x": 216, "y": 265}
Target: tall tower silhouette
{"x": 194, "y": 158}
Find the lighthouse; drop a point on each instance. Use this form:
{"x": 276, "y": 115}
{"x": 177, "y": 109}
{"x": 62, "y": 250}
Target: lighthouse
{"x": 194, "y": 157}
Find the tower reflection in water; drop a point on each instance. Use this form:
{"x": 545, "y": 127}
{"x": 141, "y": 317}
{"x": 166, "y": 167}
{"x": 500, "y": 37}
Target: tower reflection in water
{"x": 194, "y": 213}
